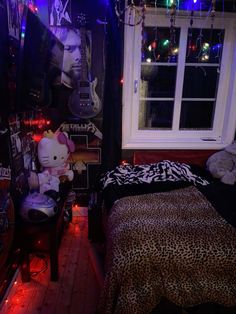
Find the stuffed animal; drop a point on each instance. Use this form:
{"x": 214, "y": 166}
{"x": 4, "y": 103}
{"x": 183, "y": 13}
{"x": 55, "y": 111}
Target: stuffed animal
{"x": 53, "y": 152}
{"x": 47, "y": 182}
{"x": 222, "y": 165}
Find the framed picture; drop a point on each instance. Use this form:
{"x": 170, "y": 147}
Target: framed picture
{"x": 59, "y": 12}
{"x": 13, "y": 18}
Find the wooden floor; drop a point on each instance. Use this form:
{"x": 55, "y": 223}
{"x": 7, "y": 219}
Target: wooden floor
{"x": 79, "y": 285}
{"x": 80, "y": 281}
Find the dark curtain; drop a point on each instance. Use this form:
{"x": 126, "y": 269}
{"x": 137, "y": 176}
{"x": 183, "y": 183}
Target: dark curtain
{"x": 112, "y": 107}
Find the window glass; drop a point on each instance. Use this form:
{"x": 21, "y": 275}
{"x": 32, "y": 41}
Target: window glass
{"x": 160, "y": 44}
{"x": 197, "y": 115}
{"x": 158, "y": 114}
{"x": 200, "y": 82}
{"x": 204, "y": 45}
{"x": 157, "y": 81}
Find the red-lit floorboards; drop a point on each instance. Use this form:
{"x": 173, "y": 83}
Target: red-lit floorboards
{"x": 78, "y": 287}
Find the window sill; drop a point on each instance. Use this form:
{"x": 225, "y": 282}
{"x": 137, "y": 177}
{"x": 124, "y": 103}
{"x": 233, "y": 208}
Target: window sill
{"x": 174, "y": 144}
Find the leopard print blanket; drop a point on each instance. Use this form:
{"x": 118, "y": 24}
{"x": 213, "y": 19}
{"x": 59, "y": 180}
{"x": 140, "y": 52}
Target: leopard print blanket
{"x": 171, "y": 244}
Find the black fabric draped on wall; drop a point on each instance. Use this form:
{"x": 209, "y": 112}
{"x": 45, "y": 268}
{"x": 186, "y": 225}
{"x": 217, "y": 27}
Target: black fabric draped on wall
{"x": 4, "y": 62}
{"x": 112, "y": 107}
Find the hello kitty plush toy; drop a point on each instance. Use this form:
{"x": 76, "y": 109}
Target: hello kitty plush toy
{"x": 53, "y": 152}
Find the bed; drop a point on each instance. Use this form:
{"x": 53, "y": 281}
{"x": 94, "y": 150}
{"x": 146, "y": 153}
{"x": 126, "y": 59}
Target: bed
{"x": 170, "y": 234}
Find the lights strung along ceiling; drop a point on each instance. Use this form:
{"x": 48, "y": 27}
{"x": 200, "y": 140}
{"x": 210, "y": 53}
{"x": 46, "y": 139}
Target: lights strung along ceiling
{"x": 221, "y": 5}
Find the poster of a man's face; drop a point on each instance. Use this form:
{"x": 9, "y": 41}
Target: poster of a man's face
{"x": 13, "y": 18}
{"x": 72, "y": 61}
{"x": 72, "y": 54}
{"x": 59, "y": 13}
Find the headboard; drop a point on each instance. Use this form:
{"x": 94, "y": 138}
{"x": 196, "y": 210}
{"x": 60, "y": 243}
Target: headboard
{"x": 196, "y": 157}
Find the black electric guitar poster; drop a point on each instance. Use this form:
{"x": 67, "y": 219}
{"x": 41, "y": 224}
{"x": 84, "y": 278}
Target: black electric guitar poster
{"x": 84, "y": 101}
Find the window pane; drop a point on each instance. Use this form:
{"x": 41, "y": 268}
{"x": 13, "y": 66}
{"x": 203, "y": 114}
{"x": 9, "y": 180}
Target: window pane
{"x": 158, "y": 114}
{"x": 160, "y": 44}
{"x": 197, "y": 115}
{"x": 200, "y": 82}
{"x": 157, "y": 81}
{"x": 204, "y": 45}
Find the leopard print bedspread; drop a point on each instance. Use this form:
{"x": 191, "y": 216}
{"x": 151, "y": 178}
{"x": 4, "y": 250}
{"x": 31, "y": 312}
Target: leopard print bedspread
{"x": 173, "y": 245}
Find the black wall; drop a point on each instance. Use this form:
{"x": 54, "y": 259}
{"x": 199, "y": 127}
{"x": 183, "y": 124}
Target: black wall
{"x": 3, "y": 59}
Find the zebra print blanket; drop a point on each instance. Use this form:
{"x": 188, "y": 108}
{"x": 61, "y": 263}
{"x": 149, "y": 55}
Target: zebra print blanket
{"x": 162, "y": 171}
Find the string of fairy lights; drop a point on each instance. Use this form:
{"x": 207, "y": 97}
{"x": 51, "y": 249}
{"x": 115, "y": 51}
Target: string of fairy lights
{"x": 202, "y": 45}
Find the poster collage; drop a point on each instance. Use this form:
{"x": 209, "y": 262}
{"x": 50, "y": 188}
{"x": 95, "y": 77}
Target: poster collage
{"x": 84, "y": 103}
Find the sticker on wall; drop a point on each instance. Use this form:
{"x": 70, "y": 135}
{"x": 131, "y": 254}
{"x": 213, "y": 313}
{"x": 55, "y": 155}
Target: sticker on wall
{"x": 13, "y": 18}
{"x": 5, "y": 169}
{"x": 59, "y": 13}
{"x": 86, "y": 159}
{"x": 86, "y": 155}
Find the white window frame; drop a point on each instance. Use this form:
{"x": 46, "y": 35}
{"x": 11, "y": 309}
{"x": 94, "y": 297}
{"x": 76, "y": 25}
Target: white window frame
{"x": 224, "y": 125}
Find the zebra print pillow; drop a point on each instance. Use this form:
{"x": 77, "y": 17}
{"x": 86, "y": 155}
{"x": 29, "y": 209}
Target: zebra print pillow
{"x": 162, "y": 171}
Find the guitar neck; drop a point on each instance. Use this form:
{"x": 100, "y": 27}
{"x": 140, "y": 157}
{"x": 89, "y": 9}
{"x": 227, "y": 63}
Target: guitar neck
{"x": 84, "y": 63}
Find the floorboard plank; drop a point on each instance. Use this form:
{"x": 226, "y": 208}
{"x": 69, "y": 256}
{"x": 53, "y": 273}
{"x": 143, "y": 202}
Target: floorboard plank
{"x": 76, "y": 291}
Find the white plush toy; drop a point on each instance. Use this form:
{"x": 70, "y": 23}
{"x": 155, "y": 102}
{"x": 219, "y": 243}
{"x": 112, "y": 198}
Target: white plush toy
{"x": 53, "y": 152}
{"x": 222, "y": 164}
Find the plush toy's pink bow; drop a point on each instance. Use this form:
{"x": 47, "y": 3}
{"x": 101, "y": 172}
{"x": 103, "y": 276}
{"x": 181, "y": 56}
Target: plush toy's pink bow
{"x": 63, "y": 139}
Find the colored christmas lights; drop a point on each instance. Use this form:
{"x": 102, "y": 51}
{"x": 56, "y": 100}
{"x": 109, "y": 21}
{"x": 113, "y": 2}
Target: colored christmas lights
{"x": 199, "y": 48}
{"x": 166, "y": 42}
{"x": 202, "y": 46}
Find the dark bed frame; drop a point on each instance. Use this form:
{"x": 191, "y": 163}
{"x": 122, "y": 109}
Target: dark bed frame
{"x": 196, "y": 157}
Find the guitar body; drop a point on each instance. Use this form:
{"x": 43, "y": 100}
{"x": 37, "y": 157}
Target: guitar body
{"x": 84, "y": 101}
